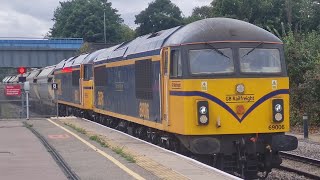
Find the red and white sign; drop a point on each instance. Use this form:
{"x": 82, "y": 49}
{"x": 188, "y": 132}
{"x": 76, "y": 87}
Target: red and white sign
{"x": 13, "y": 90}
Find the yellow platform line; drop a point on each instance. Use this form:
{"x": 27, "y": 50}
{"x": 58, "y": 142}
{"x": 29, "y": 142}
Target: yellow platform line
{"x": 112, "y": 159}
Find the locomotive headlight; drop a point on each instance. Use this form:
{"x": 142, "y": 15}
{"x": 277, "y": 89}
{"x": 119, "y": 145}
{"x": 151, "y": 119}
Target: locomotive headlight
{"x": 203, "y": 119}
{"x": 277, "y": 110}
{"x": 278, "y": 117}
{"x": 203, "y": 112}
{"x": 240, "y": 88}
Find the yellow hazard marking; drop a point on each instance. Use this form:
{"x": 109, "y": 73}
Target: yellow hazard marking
{"x": 112, "y": 159}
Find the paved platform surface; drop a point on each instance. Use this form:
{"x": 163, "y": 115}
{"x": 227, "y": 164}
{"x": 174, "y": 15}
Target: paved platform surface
{"x": 160, "y": 162}
{"x": 83, "y": 160}
{"x": 22, "y": 156}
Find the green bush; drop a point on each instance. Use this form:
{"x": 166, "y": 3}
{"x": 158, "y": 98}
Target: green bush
{"x": 303, "y": 57}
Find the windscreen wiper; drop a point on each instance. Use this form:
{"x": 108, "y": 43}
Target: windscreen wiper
{"x": 253, "y": 49}
{"x": 217, "y": 50}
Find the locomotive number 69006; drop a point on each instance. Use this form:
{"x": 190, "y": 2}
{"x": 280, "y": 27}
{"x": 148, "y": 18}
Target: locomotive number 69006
{"x": 276, "y": 127}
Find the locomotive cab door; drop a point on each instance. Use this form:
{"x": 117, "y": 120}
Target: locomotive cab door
{"x": 87, "y": 86}
{"x": 165, "y": 64}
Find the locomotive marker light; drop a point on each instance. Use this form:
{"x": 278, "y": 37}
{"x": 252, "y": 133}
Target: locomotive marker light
{"x": 240, "y": 88}
{"x": 277, "y": 109}
{"x": 203, "y": 112}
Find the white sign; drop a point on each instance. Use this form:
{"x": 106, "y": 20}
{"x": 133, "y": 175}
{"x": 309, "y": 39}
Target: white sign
{"x": 204, "y": 86}
{"x": 274, "y": 84}
{"x": 54, "y": 86}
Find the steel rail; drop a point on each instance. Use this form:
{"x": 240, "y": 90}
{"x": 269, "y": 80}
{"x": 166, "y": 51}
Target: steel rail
{"x": 302, "y": 159}
{"x": 56, "y": 156}
{"x": 294, "y": 157}
{"x": 303, "y": 173}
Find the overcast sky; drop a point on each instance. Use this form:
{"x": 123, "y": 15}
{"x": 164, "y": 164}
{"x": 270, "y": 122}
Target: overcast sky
{"x": 32, "y": 18}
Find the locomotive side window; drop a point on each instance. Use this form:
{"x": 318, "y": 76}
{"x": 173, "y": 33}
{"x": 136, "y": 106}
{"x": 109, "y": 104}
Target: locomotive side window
{"x": 87, "y": 72}
{"x": 211, "y": 61}
{"x": 175, "y": 64}
{"x": 143, "y": 79}
{"x": 260, "y": 60}
{"x": 75, "y": 78}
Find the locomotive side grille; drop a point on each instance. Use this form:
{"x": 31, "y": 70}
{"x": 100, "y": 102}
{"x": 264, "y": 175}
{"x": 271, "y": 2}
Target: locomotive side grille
{"x": 143, "y": 79}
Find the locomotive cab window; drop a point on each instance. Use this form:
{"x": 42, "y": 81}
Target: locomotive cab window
{"x": 87, "y": 73}
{"x": 211, "y": 61}
{"x": 175, "y": 64}
{"x": 75, "y": 78}
{"x": 264, "y": 61}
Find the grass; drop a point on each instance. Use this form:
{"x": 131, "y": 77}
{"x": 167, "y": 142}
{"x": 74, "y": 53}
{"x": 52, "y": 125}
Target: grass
{"x": 125, "y": 155}
{"x": 80, "y": 130}
{"x": 28, "y": 125}
{"x": 103, "y": 143}
{"x": 99, "y": 140}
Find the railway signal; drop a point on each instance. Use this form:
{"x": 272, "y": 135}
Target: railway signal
{"x": 22, "y": 70}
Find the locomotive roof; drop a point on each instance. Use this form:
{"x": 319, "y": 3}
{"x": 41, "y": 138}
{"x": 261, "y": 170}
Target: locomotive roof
{"x": 72, "y": 62}
{"x": 92, "y": 56}
{"x": 79, "y": 60}
{"x": 8, "y": 79}
{"x": 46, "y": 71}
{"x": 206, "y": 30}
{"x": 5, "y": 79}
{"x": 149, "y": 44}
{"x": 220, "y": 29}
{"x": 33, "y": 74}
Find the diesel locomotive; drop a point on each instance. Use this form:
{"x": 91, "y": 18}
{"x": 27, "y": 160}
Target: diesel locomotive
{"x": 216, "y": 89}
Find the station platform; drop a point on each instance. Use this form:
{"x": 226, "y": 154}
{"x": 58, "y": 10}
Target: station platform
{"x": 90, "y": 151}
{"x": 22, "y": 156}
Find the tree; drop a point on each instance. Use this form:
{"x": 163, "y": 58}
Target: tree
{"x": 126, "y": 33}
{"x": 199, "y": 13}
{"x": 83, "y": 18}
{"x": 159, "y": 15}
{"x": 262, "y": 13}
{"x": 296, "y": 15}
{"x": 303, "y": 58}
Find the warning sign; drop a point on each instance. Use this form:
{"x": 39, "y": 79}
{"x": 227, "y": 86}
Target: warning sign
{"x": 274, "y": 84}
{"x": 204, "y": 86}
{"x": 13, "y": 90}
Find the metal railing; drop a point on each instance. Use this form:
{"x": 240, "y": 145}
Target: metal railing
{"x": 14, "y": 106}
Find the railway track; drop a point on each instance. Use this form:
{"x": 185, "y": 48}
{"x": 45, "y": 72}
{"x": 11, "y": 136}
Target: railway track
{"x": 56, "y": 156}
{"x": 308, "y": 163}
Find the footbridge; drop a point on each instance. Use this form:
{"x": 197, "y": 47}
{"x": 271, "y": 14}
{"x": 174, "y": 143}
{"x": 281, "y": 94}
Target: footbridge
{"x": 18, "y": 52}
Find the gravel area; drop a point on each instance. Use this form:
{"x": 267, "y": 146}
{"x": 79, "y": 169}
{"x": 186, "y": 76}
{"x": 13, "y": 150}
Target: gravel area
{"x": 308, "y": 149}
{"x": 277, "y": 174}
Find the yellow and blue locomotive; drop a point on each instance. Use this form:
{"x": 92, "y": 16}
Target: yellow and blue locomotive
{"x": 216, "y": 89}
